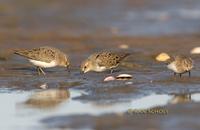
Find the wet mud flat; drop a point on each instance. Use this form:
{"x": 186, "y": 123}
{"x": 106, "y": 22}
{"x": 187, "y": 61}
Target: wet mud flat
{"x": 62, "y": 100}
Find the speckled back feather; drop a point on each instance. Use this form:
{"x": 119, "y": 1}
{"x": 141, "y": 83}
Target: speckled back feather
{"x": 45, "y": 54}
{"x": 110, "y": 59}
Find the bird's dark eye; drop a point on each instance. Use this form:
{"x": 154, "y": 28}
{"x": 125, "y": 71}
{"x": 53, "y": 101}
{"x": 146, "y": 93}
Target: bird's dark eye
{"x": 85, "y": 67}
{"x": 167, "y": 63}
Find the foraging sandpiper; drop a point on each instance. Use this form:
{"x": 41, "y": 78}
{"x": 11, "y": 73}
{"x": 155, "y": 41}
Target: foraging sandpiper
{"x": 180, "y": 65}
{"x": 102, "y": 61}
{"x": 45, "y": 57}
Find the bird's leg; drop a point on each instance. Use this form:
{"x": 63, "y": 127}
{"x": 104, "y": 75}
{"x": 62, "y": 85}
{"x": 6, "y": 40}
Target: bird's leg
{"x": 111, "y": 71}
{"x": 68, "y": 69}
{"x": 42, "y": 71}
{"x": 189, "y": 73}
{"x": 190, "y": 97}
{"x": 174, "y": 73}
{"x": 38, "y": 70}
{"x": 180, "y": 75}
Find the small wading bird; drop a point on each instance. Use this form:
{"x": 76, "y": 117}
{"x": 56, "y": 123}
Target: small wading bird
{"x": 102, "y": 61}
{"x": 45, "y": 57}
{"x": 180, "y": 65}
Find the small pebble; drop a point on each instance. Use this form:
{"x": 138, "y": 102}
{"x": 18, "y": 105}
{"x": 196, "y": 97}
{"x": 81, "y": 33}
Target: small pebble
{"x": 195, "y": 50}
{"x": 162, "y": 57}
{"x": 129, "y": 83}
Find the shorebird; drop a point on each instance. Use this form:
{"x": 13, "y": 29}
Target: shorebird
{"x": 44, "y": 57}
{"x": 102, "y": 61}
{"x": 180, "y": 65}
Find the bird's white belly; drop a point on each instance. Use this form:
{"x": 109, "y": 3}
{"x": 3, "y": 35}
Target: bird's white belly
{"x": 43, "y": 64}
{"x": 100, "y": 69}
{"x": 173, "y": 67}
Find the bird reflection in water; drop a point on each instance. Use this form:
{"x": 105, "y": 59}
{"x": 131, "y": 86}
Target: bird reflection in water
{"x": 180, "y": 98}
{"x": 50, "y": 98}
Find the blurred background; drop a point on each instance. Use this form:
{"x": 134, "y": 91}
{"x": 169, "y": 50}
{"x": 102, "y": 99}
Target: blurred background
{"x": 54, "y": 19}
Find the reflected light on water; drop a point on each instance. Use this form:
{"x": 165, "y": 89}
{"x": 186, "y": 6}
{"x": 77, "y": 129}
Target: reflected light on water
{"x": 24, "y": 110}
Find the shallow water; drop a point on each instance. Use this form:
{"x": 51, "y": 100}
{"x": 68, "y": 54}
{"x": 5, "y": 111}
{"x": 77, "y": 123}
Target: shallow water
{"x": 18, "y": 112}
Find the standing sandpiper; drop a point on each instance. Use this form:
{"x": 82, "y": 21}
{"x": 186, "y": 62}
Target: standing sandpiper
{"x": 102, "y": 61}
{"x": 180, "y": 65}
{"x": 45, "y": 57}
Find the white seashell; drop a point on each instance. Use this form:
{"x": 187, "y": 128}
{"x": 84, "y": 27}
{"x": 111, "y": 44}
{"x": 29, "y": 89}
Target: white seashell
{"x": 124, "y": 77}
{"x": 109, "y": 78}
{"x": 195, "y": 50}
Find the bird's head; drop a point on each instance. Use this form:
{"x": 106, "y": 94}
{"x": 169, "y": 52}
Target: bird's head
{"x": 86, "y": 66}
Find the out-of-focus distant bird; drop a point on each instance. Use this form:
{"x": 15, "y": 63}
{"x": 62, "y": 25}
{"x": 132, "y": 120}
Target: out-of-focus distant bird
{"x": 180, "y": 65}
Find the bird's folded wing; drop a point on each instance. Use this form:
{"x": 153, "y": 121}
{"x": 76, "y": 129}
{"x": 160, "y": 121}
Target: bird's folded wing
{"x": 109, "y": 59}
{"x": 39, "y": 54}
